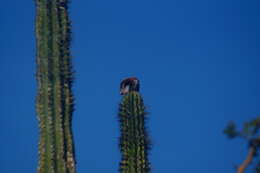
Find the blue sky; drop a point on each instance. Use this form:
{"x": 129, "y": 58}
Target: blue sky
{"x": 198, "y": 63}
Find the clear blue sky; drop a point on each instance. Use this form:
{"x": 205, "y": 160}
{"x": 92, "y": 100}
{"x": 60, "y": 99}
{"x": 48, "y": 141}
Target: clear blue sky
{"x": 198, "y": 63}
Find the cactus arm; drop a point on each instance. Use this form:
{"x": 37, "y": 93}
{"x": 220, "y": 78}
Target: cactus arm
{"x": 134, "y": 143}
{"x": 54, "y": 102}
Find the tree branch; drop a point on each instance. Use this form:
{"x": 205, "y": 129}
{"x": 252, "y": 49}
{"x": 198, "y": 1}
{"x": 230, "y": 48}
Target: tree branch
{"x": 248, "y": 160}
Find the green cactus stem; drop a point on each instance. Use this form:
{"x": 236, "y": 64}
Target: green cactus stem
{"x": 134, "y": 141}
{"x": 54, "y": 76}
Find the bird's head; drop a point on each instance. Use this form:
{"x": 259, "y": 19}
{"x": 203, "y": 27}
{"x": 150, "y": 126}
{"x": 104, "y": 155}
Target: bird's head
{"x": 129, "y": 84}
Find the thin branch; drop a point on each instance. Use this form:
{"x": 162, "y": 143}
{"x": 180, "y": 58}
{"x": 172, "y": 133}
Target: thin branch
{"x": 247, "y": 161}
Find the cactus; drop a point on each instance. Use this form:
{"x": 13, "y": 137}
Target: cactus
{"x": 54, "y": 76}
{"x": 134, "y": 142}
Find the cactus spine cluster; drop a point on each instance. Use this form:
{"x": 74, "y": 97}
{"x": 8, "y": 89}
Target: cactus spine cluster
{"x": 134, "y": 141}
{"x": 54, "y": 75}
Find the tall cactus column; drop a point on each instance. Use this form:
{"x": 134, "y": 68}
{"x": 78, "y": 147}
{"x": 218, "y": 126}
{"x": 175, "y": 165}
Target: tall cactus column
{"x": 134, "y": 141}
{"x": 54, "y": 75}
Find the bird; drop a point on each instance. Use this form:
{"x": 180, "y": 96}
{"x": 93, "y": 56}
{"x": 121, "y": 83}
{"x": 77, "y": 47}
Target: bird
{"x": 129, "y": 84}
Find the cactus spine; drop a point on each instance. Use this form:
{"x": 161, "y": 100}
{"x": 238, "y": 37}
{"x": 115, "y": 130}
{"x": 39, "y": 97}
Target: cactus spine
{"x": 54, "y": 75}
{"x": 134, "y": 141}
